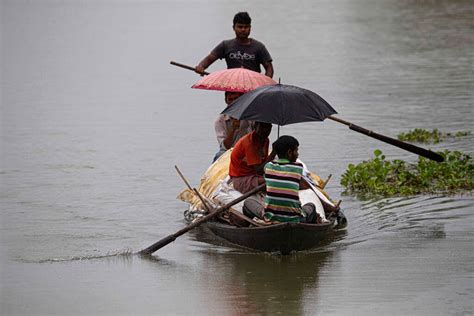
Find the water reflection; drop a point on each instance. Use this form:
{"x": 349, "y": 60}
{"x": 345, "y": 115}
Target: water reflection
{"x": 268, "y": 284}
{"x": 434, "y": 231}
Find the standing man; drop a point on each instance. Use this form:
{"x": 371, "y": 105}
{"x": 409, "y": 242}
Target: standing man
{"x": 242, "y": 51}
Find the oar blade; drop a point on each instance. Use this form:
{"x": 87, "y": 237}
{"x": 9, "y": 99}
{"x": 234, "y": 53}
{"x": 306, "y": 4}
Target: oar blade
{"x": 158, "y": 245}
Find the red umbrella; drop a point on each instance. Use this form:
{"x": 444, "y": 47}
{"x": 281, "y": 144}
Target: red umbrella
{"x": 233, "y": 80}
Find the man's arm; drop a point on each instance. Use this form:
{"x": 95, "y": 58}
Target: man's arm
{"x": 259, "y": 168}
{"x": 304, "y": 185}
{"x": 206, "y": 62}
{"x": 229, "y": 139}
{"x": 268, "y": 69}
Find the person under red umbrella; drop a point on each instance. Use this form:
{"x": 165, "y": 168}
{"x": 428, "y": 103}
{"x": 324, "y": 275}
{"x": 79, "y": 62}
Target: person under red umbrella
{"x": 229, "y": 130}
{"x": 242, "y": 51}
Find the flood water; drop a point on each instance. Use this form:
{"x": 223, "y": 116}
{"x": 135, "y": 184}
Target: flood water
{"x": 94, "y": 118}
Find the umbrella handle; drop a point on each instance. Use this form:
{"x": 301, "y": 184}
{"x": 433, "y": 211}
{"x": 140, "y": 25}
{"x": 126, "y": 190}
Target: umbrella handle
{"x": 186, "y": 67}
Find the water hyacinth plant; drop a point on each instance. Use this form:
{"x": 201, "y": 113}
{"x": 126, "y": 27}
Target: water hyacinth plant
{"x": 424, "y": 136}
{"x": 379, "y": 177}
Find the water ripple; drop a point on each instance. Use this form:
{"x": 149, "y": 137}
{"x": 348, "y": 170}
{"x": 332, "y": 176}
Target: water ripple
{"x": 122, "y": 253}
{"x": 424, "y": 216}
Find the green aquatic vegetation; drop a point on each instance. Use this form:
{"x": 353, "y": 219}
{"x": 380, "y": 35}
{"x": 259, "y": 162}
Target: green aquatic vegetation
{"x": 425, "y": 136}
{"x": 461, "y": 133}
{"x": 381, "y": 177}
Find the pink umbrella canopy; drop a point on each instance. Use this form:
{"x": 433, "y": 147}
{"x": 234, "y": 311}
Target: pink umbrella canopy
{"x": 233, "y": 80}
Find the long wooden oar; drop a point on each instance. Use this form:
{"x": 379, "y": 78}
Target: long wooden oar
{"x": 163, "y": 242}
{"x": 204, "y": 202}
{"x": 395, "y": 142}
{"x": 186, "y": 67}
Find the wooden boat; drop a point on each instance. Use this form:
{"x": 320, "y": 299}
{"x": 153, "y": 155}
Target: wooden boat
{"x": 241, "y": 231}
{"x": 282, "y": 237}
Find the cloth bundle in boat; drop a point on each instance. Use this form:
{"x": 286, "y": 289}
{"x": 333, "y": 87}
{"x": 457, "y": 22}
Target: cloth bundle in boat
{"x": 226, "y": 193}
{"x": 217, "y": 172}
{"x": 308, "y": 196}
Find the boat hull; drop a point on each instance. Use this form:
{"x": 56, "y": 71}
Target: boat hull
{"x": 283, "y": 237}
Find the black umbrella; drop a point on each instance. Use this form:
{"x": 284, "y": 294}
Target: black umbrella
{"x": 284, "y": 104}
{"x": 280, "y": 104}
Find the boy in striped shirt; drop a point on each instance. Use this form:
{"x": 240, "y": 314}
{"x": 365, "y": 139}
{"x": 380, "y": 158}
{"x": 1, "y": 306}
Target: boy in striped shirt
{"x": 283, "y": 179}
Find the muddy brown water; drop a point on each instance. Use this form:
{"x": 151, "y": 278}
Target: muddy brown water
{"x": 93, "y": 119}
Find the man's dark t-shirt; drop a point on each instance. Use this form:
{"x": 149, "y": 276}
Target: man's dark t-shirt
{"x": 238, "y": 55}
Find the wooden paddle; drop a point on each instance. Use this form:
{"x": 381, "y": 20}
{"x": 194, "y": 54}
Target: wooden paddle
{"x": 395, "y": 142}
{"x": 163, "y": 242}
{"x": 186, "y": 67}
{"x": 204, "y": 201}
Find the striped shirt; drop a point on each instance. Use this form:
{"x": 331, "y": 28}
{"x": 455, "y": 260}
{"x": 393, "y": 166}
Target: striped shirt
{"x": 282, "y": 202}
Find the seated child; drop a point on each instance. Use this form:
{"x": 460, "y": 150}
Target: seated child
{"x": 283, "y": 179}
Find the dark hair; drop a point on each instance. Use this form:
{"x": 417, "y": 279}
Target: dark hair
{"x": 226, "y": 93}
{"x": 263, "y": 124}
{"x": 283, "y": 144}
{"x": 242, "y": 17}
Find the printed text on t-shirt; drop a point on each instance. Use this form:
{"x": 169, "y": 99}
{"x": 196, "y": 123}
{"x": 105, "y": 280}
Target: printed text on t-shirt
{"x": 241, "y": 56}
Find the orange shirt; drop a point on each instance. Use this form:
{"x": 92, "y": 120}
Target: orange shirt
{"x": 245, "y": 157}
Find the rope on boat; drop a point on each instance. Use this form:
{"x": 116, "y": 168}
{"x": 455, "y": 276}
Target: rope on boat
{"x": 192, "y": 214}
